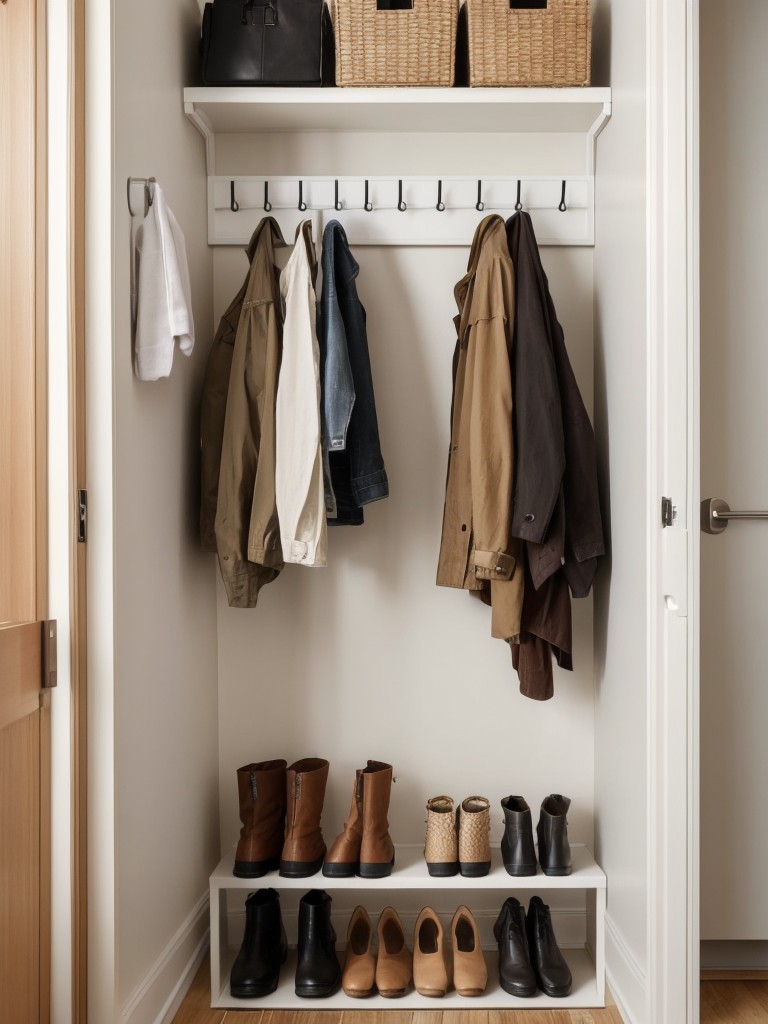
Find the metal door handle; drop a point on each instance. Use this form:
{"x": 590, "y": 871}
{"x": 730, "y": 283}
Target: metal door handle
{"x": 715, "y": 514}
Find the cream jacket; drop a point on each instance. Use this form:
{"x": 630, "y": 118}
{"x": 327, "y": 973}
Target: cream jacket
{"x": 298, "y": 462}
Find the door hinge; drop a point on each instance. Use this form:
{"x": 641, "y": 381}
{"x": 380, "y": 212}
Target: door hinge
{"x": 668, "y": 512}
{"x": 82, "y": 516}
{"x": 50, "y": 653}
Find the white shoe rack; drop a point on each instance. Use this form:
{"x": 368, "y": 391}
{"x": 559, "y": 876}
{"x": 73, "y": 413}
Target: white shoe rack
{"x": 410, "y": 884}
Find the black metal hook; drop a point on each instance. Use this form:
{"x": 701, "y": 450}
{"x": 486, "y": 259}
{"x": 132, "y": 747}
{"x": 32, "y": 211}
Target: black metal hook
{"x": 402, "y": 207}
{"x": 367, "y": 205}
{"x": 336, "y": 204}
{"x": 440, "y": 204}
{"x": 561, "y": 205}
{"x": 479, "y": 205}
{"x": 302, "y": 204}
{"x": 518, "y": 203}
{"x": 233, "y": 203}
{"x": 267, "y": 204}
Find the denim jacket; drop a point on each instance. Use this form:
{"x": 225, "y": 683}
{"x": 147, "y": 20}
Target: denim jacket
{"x": 350, "y": 428}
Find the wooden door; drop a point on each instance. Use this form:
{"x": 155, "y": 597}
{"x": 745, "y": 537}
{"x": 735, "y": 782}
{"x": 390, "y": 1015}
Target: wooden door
{"x": 24, "y": 713}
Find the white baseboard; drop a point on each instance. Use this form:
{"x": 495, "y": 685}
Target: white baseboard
{"x": 625, "y": 977}
{"x": 157, "y": 998}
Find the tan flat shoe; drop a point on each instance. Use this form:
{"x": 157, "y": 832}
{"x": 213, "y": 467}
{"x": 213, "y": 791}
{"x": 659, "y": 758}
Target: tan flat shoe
{"x": 431, "y": 967}
{"x": 470, "y": 972}
{"x": 394, "y": 964}
{"x": 358, "y": 978}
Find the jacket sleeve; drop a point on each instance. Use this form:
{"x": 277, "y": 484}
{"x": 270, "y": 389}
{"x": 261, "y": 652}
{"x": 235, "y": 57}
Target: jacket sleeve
{"x": 538, "y": 418}
{"x": 490, "y": 439}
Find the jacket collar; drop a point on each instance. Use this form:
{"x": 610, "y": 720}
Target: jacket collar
{"x": 339, "y": 265}
{"x": 266, "y": 236}
{"x": 488, "y": 229}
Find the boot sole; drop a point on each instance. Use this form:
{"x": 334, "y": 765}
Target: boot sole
{"x": 254, "y": 868}
{"x": 354, "y": 993}
{"x": 340, "y": 870}
{"x": 557, "y": 872}
{"x": 251, "y": 991}
{"x": 475, "y": 870}
{"x": 557, "y": 993}
{"x": 392, "y": 993}
{"x": 447, "y": 870}
{"x": 299, "y": 868}
{"x": 520, "y": 871}
{"x": 375, "y": 870}
{"x": 518, "y": 991}
{"x": 317, "y": 992}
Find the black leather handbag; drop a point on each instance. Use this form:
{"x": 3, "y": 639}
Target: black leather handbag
{"x": 267, "y": 42}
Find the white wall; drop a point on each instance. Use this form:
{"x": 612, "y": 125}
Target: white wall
{"x": 367, "y": 658}
{"x": 621, "y": 418}
{"x": 152, "y": 598}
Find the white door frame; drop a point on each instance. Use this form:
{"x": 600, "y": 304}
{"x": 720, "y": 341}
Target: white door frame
{"x": 673, "y": 707}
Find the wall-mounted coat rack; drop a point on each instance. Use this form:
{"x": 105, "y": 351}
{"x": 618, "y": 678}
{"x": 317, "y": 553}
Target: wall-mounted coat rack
{"x": 402, "y": 211}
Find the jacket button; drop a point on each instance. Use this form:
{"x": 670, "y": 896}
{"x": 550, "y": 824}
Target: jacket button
{"x": 529, "y": 517}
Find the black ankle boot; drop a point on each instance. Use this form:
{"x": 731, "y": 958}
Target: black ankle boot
{"x": 517, "y": 850}
{"x": 516, "y": 974}
{"x": 552, "y": 832}
{"x": 553, "y": 976}
{"x": 256, "y": 969}
{"x": 318, "y": 971}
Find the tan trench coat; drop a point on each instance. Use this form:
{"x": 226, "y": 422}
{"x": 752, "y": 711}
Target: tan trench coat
{"x": 239, "y": 422}
{"x": 477, "y": 552}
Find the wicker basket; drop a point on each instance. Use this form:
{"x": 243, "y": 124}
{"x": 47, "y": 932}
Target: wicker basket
{"x": 376, "y": 47}
{"x": 519, "y": 46}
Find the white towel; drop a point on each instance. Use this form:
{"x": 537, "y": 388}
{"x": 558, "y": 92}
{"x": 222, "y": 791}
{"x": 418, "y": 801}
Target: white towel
{"x": 163, "y": 301}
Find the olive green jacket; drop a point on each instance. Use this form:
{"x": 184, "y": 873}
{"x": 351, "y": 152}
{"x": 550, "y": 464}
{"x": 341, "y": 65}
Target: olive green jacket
{"x": 238, "y": 512}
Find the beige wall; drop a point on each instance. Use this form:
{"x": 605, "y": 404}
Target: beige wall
{"x": 154, "y": 691}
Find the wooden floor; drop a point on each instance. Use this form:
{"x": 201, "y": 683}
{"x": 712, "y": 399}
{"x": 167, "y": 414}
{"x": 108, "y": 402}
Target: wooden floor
{"x": 196, "y": 1010}
{"x": 722, "y": 1002}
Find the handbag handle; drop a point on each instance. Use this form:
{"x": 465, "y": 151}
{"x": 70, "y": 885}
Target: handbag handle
{"x": 249, "y": 12}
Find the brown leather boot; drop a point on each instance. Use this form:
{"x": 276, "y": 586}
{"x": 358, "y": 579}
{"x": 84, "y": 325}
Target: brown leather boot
{"x": 261, "y": 789}
{"x": 343, "y": 858}
{"x": 377, "y": 851}
{"x": 304, "y": 848}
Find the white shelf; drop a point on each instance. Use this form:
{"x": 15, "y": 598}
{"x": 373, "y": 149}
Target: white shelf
{"x": 268, "y": 109}
{"x": 583, "y": 994}
{"x": 410, "y": 872}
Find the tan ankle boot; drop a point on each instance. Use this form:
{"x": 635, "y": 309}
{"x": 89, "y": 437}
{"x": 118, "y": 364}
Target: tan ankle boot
{"x": 394, "y": 963}
{"x": 358, "y": 979}
{"x": 474, "y": 827}
{"x": 304, "y": 848}
{"x": 343, "y": 858}
{"x": 261, "y": 793}
{"x": 431, "y": 967}
{"x": 470, "y": 972}
{"x": 441, "y": 847}
{"x": 377, "y": 851}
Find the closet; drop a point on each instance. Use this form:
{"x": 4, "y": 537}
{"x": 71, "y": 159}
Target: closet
{"x": 366, "y": 658}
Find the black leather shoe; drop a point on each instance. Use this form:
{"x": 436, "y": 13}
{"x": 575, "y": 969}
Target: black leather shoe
{"x": 318, "y": 971}
{"x": 552, "y": 832}
{"x": 256, "y": 969}
{"x": 553, "y": 976}
{"x": 515, "y": 971}
{"x": 517, "y": 850}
